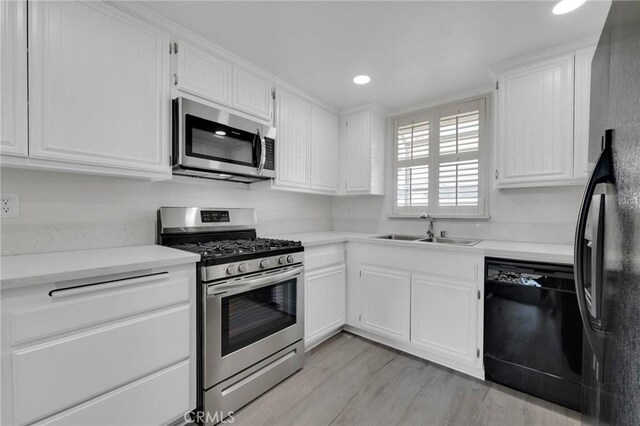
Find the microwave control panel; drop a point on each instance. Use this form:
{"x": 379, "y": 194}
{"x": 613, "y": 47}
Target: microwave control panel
{"x": 269, "y": 160}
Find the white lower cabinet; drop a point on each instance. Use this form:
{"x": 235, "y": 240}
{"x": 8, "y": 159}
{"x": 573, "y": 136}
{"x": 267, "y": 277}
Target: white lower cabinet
{"x": 444, "y": 317}
{"x": 136, "y": 403}
{"x": 324, "y": 293}
{"x": 385, "y": 301}
{"x": 104, "y": 350}
{"x": 421, "y": 300}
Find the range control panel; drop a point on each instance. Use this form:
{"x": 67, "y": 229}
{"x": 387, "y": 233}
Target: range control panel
{"x": 208, "y": 216}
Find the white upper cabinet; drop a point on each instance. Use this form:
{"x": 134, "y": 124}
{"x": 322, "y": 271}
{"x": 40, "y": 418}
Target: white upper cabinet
{"x": 293, "y": 124}
{"x": 543, "y": 118}
{"x": 13, "y": 78}
{"x": 324, "y": 150}
{"x": 202, "y": 74}
{"x": 98, "y": 88}
{"x": 252, "y": 95}
{"x": 363, "y": 135}
{"x": 306, "y": 146}
{"x": 581, "y": 112}
{"x": 535, "y": 124}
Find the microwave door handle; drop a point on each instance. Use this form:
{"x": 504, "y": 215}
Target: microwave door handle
{"x": 263, "y": 152}
{"x": 602, "y": 173}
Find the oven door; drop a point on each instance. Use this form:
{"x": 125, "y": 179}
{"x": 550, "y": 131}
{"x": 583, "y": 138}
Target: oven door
{"x": 248, "y": 320}
{"x": 215, "y": 141}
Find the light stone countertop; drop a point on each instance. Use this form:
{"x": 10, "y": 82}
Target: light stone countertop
{"x": 537, "y": 252}
{"x": 42, "y": 268}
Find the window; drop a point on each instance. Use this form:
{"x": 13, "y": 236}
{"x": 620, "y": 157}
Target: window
{"x": 439, "y": 159}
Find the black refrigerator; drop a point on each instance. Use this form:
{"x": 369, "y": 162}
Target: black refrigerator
{"x": 607, "y": 244}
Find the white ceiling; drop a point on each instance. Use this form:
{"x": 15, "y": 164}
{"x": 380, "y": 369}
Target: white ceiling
{"x": 414, "y": 51}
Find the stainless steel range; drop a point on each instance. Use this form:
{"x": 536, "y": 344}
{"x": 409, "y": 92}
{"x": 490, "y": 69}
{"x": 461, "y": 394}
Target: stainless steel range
{"x": 250, "y": 304}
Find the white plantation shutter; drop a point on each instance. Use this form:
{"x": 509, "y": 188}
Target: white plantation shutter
{"x": 438, "y": 160}
{"x": 413, "y": 186}
{"x": 459, "y": 148}
{"x": 458, "y": 185}
{"x": 412, "y": 162}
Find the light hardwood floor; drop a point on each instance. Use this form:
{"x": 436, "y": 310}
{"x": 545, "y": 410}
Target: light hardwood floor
{"x": 352, "y": 381}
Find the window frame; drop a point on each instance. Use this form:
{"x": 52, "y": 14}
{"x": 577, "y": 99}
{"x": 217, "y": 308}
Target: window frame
{"x": 433, "y": 115}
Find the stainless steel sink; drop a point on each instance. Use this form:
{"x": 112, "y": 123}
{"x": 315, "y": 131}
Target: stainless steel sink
{"x": 434, "y": 240}
{"x": 453, "y": 241}
{"x": 400, "y": 237}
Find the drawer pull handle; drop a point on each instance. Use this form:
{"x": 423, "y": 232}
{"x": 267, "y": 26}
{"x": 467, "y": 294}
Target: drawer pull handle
{"x": 88, "y": 288}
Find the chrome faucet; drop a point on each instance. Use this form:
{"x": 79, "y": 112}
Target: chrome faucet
{"x": 430, "y": 233}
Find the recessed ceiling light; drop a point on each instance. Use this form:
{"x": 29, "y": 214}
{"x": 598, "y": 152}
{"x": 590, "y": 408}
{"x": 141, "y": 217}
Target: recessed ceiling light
{"x": 221, "y": 133}
{"x": 361, "y": 79}
{"x": 566, "y": 6}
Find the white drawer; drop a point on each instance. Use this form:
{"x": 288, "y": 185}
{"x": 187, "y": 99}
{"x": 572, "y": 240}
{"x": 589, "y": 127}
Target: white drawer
{"x": 157, "y": 399}
{"x": 321, "y": 256}
{"x": 59, "y": 374}
{"x": 52, "y": 310}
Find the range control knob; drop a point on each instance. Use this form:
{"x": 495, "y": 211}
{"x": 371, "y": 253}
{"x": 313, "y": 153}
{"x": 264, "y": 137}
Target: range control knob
{"x": 242, "y": 267}
{"x": 281, "y": 260}
{"x": 231, "y": 269}
{"x": 290, "y": 259}
{"x": 264, "y": 263}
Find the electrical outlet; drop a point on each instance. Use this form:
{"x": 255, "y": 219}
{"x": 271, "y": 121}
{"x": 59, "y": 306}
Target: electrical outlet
{"x": 8, "y": 205}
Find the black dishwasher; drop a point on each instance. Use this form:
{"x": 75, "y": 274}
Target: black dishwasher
{"x": 532, "y": 330}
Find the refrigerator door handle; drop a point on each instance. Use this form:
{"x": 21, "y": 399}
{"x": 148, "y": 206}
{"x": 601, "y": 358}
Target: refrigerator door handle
{"x": 602, "y": 173}
{"x": 597, "y": 257}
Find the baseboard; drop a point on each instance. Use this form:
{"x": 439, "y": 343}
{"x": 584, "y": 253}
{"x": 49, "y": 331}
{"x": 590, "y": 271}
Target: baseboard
{"x": 477, "y": 373}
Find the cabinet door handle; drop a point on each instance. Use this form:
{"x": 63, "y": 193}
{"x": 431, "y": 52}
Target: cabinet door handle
{"x": 104, "y": 285}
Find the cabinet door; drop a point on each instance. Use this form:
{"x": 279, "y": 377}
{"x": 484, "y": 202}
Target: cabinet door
{"x": 581, "y": 111}
{"x": 202, "y": 74}
{"x": 444, "y": 317}
{"x": 535, "y": 124}
{"x": 324, "y": 302}
{"x": 324, "y": 150}
{"x": 252, "y": 94}
{"x": 293, "y": 118}
{"x": 98, "y": 87}
{"x": 358, "y": 161}
{"x": 13, "y": 78}
{"x": 385, "y": 302}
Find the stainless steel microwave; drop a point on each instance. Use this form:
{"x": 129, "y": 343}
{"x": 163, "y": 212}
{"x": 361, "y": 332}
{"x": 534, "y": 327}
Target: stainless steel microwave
{"x": 215, "y": 144}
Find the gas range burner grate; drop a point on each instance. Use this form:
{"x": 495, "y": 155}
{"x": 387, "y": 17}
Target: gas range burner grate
{"x": 222, "y": 248}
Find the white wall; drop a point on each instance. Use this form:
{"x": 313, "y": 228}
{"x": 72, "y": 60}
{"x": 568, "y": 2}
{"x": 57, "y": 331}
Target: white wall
{"x": 60, "y": 211}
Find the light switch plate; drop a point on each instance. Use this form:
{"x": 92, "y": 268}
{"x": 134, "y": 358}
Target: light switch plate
{"x": 8, "y": 205}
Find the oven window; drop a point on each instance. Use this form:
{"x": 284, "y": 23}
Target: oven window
{"x": 256, "y": 314}
{"x": 215, "y": 141}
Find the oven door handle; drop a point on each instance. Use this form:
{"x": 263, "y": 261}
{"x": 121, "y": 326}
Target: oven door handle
{"x": 229, "y": 289}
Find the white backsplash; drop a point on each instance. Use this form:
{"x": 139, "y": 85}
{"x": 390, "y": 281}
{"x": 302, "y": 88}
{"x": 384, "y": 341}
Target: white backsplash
{"x": 533, "y": 214}
{"x": 64, "y": 211}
